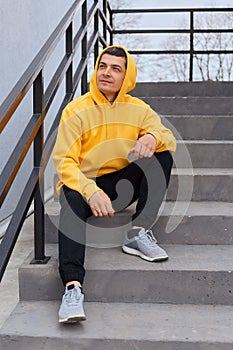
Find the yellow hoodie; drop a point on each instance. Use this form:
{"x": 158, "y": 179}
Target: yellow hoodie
{"x": 95, "y": 137}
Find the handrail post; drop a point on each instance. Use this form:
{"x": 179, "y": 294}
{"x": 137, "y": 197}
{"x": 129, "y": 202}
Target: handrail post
{"x": 69, "y": 51}
{"x": 105, "y": 24}
{"x": 191, "y": 46}
{"x": 39, "y": 225}
{"x": 84, "y": 48}
{"x": 111, "y": 25}
{"x": 96, "y": 31}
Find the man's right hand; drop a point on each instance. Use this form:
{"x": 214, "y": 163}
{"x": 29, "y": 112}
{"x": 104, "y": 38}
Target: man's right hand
{"x": 101, "y": 204}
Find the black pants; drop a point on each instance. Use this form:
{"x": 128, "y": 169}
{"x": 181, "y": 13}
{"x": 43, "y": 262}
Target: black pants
{"x": 144, "y": 180}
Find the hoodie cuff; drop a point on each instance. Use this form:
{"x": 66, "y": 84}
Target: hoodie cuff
{"x": 90, "y": 189}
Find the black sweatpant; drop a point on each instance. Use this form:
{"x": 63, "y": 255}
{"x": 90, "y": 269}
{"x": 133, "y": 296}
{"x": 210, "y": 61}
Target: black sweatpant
{"x": 144, "y": 180}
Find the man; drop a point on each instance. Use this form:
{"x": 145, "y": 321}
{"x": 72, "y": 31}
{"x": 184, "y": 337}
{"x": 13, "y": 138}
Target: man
{"x": 98, "y": 134}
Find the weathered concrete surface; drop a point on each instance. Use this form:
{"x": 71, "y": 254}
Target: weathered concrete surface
{"x": 121, "y": 326}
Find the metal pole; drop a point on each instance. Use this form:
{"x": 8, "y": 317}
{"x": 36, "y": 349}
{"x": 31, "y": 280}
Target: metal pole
{"x": 69, "y": 52}
{"x": 105, "y": 24}
{"x": 39, "y": 226}
{"x": 111, "y": 25}
{"x": 84, "y": 47}
{"x": 96, "y": 31}
{"x": 191, "y": 47}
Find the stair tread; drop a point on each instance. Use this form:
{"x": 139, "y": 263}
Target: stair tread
{"x": 122, "y": 322}
{"x": 185, "y": 208}
{"x": 190, "y": 98}
{"x": 212, "y": 258}
{"x": 197, "y": 116}
{"x": 202, "y": 171}
{"x": 205, "y": 142}
{"x": 192, "y": 208}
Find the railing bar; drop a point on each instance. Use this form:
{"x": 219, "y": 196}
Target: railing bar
{"x": 173, "y": 10}
{"x": 17, "y": 156}
{"x": 81, "y": 67}
{"x": 83, "y": 29}
{"x": 84, "y": 47}
{"x": 25, "y": 82}
{"x": 69, "y": 53}
{"x": 79, "y": 72}
{"x": 104, "y": 19}
{"x": 78, "y": 37}
{"x": 51, "y": 137}
{"x": 102, "y": 40}
{"x": 18, "y": 217}
{"x": 109, "y": 7}
{"x": 169, "y": 31}
{"x": 166, "y": 52}
{"x": 96, "y": 30}
{"x": 191, "y": 45}
{"x": 15, "y": 225}
{"x": 56, "y": 80}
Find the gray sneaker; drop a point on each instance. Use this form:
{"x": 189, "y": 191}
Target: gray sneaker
{"x": 71, "y": 309}
{"x": 141, "y": 242}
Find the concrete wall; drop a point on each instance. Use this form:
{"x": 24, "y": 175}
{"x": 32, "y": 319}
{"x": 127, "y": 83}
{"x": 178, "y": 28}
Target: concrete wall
{"x": 25, "y": 26}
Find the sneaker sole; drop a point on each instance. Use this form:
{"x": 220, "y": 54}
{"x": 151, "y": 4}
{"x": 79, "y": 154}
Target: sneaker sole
{"x": 72, "y": 319}
{"x": 135, "y": 252}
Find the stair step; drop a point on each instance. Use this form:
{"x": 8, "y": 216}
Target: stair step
{"x": 200, "y": 127}
{"x": 34, "y": 325}
{"x": 204, "y": 154}
{"x": 201, "y": 184}
{"x": 198, "y": 89}
{"x": 192, "y": 275}
{"x": 178, "y": 223}
{"x": 191, "y": 105}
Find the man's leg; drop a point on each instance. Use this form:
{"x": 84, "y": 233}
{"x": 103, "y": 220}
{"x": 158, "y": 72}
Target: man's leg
{"x": 150, "y": 184}
{"x": 72, "y": 232}
{"x": 152, "y": 188}
{"x": 72, "y": 235}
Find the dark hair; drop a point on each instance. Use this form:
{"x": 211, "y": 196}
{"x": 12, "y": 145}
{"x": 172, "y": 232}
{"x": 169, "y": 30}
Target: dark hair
{"x": 116, "y": 51}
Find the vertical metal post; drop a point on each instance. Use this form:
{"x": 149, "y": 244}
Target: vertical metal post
{"x": 96, "y": 31}
{"x": 39, "y": 226}
{"x": 105, "y": 24}
{"x": 191, "y": 46}
{"x": 84, "y": 47}
{"x": 111, "y": 25}
{"x": 69, "y": 52}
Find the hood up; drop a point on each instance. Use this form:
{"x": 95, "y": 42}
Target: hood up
{"x": 128, "y": 84}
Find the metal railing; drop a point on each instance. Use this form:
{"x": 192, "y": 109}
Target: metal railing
{"x": 191, "y": 31}
{"x": 100, "y": 19}
{"x": 32, "y": 79}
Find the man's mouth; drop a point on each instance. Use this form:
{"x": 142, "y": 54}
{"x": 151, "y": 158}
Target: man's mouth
{"x": 105, "y": 81}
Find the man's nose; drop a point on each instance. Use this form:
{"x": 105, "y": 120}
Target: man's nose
{"x": 107, "y": 71}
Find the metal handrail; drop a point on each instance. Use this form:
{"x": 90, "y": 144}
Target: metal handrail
{"x": 191, "y": 31}
{"x": 42, "y": 100}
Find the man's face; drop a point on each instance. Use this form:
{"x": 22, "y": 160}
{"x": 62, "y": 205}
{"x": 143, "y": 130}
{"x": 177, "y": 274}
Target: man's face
{"x": 110, "y": 75}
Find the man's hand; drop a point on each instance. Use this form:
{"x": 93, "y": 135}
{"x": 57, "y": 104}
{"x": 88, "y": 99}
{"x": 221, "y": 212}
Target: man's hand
{"x": 145, "y": 147}
{"x": 101, "y": 204}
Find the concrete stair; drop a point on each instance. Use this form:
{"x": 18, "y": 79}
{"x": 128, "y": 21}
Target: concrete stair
{"x": 184, "y": 303}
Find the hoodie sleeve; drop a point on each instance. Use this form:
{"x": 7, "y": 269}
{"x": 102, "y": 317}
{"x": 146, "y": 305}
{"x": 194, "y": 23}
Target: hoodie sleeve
{"x": 164, "y": 137}
{"x": 66, "y": 156}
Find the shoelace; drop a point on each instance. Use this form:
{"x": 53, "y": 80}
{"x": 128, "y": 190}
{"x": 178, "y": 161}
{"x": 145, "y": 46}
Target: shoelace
{"x": 72, "y": 296}
{"x": 148, "y": 238}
